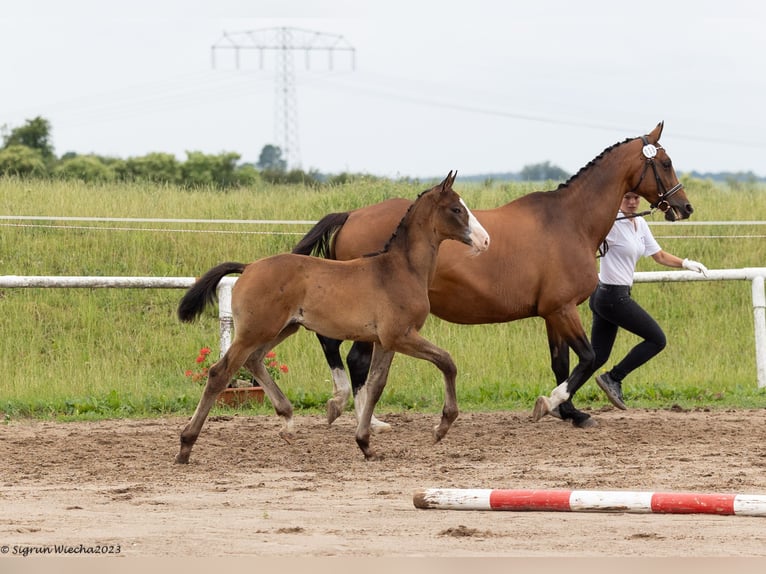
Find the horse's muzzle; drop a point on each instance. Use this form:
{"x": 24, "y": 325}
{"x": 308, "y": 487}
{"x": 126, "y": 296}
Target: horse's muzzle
{"x": 678, "y": 213}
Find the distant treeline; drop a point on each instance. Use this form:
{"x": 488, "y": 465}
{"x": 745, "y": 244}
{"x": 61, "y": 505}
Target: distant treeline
{"x": 723, "y": 177}
{"x": 27, "y": 152}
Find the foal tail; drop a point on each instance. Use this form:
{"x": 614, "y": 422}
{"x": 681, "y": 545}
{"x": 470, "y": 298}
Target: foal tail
{"x": 319, "y": 240}
{"x": 203, "y": 293}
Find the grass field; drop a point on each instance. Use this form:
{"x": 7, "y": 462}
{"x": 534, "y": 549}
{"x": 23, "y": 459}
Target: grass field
{"x": 81, "y": 353}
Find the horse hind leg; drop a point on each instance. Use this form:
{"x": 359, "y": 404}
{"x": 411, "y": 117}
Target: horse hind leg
{"x": 218, "y": 379}
{"x": 282, "y": 405}
{"x": 340, "y": 381}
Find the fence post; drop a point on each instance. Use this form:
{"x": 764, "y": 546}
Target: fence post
{"x": 225, "y": 321}
{"x": 759, "y": 320}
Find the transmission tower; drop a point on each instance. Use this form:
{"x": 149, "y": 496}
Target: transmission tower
{"x": 283, "y": 43}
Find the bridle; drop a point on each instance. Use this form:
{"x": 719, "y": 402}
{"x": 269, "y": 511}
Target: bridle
{"x": 650, "y": 151}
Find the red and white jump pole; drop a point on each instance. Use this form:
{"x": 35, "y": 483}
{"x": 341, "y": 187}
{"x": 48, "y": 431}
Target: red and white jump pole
{"x": 591, "y": 501}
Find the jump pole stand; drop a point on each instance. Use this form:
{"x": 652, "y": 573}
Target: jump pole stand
{"x": 636, "y": 502}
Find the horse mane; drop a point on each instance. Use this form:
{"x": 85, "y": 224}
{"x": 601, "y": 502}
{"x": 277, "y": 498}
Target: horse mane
{"x": 391, "y": 239}
{"x": 587, "y": 166}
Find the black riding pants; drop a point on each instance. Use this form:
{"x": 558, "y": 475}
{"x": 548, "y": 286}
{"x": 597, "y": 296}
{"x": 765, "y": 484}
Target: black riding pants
{"x": 613, "y": 308}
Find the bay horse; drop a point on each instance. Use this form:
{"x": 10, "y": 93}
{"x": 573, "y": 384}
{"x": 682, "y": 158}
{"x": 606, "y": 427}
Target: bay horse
{"x": 381, "y": 299}
{"x": 542, "y": 261}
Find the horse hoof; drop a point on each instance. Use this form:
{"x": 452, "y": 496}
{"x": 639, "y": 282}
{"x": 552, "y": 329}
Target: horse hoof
{"x": 287, "y": 436}
{"x": 333, "y": 411}
{"x": 542, "y": 408}
{"x": 378, "y": 426}
{"x": 182, "y": 459}
{"x": 373, "y": 457}
{"x": 587, "y": 423}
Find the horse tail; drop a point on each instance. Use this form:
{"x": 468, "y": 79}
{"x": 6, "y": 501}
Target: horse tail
{"x": 319, "y": 240}
{"x": 203, "y": 292}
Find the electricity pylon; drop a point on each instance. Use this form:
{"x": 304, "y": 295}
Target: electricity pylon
{"x": 283, "y": 43}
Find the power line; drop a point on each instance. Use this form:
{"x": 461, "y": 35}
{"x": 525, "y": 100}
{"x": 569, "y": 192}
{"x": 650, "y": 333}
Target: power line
{"x": 284, "y": 42}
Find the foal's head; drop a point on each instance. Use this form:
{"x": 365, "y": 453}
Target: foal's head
{"x": 657, "y": 181}
{"x": 451, "y": 218}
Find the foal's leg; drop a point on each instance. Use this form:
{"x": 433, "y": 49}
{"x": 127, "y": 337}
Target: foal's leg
{"x": 359, "y": 360}
{"x": 376, "y": 382}
{"x": 279, "y": 401}
{"x": 218, "y": 379}
{"x": 414, "y": 345}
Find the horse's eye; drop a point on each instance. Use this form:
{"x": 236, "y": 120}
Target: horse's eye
{"x": 457, "y": 210}
{"x": 667, "y": 163}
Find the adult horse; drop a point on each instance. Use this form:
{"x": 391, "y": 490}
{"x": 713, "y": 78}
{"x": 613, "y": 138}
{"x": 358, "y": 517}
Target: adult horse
{"x": 381, "y": 300}
{"x": 541, "y": 263}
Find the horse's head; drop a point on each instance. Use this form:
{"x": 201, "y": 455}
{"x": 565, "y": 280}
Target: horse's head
{"x": 663, "y": 191}
{"x": 452, "y": 218}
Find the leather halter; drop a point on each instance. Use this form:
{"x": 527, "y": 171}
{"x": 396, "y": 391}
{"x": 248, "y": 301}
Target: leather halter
{"x": 650, "y": 151}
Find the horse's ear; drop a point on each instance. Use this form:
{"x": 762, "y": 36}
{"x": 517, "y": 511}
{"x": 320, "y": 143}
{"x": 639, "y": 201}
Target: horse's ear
{"x": 657, "y": 132}
{"x": 450, "y": 179}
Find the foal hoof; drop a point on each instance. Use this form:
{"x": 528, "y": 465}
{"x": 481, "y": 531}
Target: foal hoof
{"x": 287, "y": 436}
{"x": 378, "y": 426}
{"x": 333, "y": 411}
{"x": 542, "y": 408}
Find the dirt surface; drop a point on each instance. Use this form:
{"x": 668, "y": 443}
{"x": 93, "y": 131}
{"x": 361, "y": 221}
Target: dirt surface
{"x": 113, "y": 485}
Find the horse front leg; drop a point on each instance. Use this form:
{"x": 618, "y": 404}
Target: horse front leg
{"x": 340, "y": 381}
{"x": 376, "y": 382}
{"x": 564, "y": 331}
{"x": 359, "y": 360}
{"x": 414, "y": 345}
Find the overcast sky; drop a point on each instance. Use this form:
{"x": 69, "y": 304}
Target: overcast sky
{"x": 478, "y": 86}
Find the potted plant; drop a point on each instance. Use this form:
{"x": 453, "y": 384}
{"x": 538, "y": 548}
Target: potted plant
{"x": 243, "y": 387}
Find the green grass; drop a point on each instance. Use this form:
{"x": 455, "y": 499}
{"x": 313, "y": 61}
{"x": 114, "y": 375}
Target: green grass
{"x": 93, "y": 353}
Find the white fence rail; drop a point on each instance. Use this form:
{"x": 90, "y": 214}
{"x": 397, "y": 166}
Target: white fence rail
{"x": 755, "y": 275}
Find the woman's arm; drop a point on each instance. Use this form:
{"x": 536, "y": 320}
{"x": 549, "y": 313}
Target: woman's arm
{"x": 670, "y": 260}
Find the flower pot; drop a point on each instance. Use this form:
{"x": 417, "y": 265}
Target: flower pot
{"x": 240, "y": 396}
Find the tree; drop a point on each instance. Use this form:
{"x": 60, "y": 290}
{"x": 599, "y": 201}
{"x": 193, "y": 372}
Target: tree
{"x": 34, "y": 134}
{"x": 543, "y": 172}
{"x": 271, "y": 159}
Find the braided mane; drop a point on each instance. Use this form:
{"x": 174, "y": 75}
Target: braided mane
{"x": 592, "y": 162}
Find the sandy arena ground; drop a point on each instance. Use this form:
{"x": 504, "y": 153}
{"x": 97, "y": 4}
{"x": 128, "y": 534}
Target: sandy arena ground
{"x": 113, "y": 485}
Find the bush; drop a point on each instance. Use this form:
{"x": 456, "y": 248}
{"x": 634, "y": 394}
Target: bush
{"x": 85, "y": 168}
{"x": 21, "y": 160}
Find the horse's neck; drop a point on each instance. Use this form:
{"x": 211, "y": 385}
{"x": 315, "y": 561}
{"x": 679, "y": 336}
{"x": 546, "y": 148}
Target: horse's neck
{"x": 596, "y": 195}
{"x": 418, "y": 246}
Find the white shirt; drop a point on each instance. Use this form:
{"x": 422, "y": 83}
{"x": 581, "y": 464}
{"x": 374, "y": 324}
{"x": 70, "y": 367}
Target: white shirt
{"x": 627, "y": 244}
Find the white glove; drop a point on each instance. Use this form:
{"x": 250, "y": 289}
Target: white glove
{"x": 694, "y": 266}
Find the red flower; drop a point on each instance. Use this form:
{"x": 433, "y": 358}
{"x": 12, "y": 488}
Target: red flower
{"x": 201, "y": 358}
{"x": 283, "y": 368}
{"x": 271, "y": 355}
